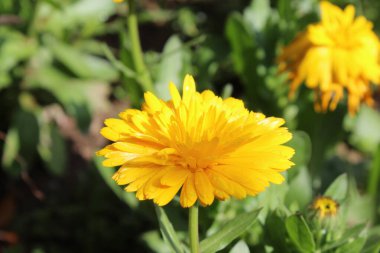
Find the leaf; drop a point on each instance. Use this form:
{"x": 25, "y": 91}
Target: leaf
{"x": 338, "y": 189}
{"x": 208, "y": 58}
{"x": 300, "y": 234}
{"x": 374, "y": 176}
{"x": 354, "y": 246}
{"x": 89, "y": 11}
{"x": 275, "y": 232}
{"x": 155, "y": 242}
{"x": 21, "y": 141}
{"x": 11, "y": 147}
{"x": 175, "y": 59}
{"x": 227, "y": 91}
{"x": 130, "y": 80}
{"x": 349, "y": 235}
{"x": 28, "y": 133}
{"x": 360, "y": 208}
{"x": 372, "y": 244}
{"x": 71, "y": 92}
{"x": 365, "y": 129}
{"x": 302, "y": 144}
{"x": 300, "y": 189}
{"x": 14, "y": 48}
{"x": 244, "y": 58}
{"x": 85, "y": 18}
{"x": 52, "y": 149}
{"x": 106, "y": 174}
{"x": 240, "y": 247}
{"x": 257, "y": 14}
{"x": 167, "y": 230}
{"x": 242, "y": 45}
{"x": 187, "y": 20}
{"x": 83, "y": 65}
{"x": 231, "y": 230}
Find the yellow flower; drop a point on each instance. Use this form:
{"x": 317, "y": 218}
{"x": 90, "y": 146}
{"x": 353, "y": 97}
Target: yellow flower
{"x": 338, "y": 54}
{"x": 209, "y": 147}
{"x": 118, "y": 1}
{"x": 325, "y": 207}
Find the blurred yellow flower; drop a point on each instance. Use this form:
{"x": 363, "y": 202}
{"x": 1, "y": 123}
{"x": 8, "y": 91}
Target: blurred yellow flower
{"x": 118, "y": 1}
{"x": 199, "y": 142}
{"x": 338, "y": 54}
{"x": 325, "y": 206}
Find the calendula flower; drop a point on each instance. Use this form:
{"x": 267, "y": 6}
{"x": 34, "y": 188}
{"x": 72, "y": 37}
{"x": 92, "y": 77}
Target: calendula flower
{"x": 198, "y": 143}
{"x": 338, "y": 55}
{"x": 325, "y": 207}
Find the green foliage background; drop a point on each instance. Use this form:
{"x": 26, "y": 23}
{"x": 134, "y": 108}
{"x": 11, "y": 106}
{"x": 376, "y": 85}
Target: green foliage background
{"x": 66, "y": 65}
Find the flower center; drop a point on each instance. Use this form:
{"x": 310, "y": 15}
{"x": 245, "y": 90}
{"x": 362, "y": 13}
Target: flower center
{"x": 195, "y": 164}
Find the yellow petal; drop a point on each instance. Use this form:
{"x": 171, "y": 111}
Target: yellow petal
{"x": 188, "y": 89}
{"x": 204, "y": 188}
{"x": 153, "y": 103}
{"x": 167, "y": 195}
{"x": 176, "y": 98}
{"x": 188, "y": 192}
{"x": 110, "y": 134}
{"x": 174, "y": 176}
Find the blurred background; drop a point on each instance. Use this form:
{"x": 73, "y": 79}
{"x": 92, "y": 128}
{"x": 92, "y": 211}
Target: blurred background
{"x": 66, "y": 65}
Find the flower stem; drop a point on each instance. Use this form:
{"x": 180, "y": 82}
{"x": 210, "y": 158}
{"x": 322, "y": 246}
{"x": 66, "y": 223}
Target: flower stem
{"x": 193, "y": 229}
{"x": 137, "y": 55}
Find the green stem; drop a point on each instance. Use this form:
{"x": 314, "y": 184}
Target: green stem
{"x": 374, "y": 177}
{"x": 193, "y": 229}
{"x": 137, "y": 54}
{"x": 31, "y": 30}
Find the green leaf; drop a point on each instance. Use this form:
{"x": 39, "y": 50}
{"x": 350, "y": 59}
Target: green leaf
{"x": 187, "y": 20}
{"x": 242, "y": 45}
{"x": 106, "y": 174}
{"x": 372, "y": 244}
{"x": 349, "y": 235}
{"x": 240, "y": 247}
{"x": 52, "y": 149}
{"x": 227, "y": 91}
{"x": 360, "y": 208}
{"x": 21, "y": 140}
{"x": 175, "y": 59}
{"x": 355, "y": 246}
{"x": 300, "y": 234}
{"x": 11, "y": 147}
{"x": 83, "y": 18}
{"x": 208, "y": 58}
{"x": 155, "y": 242}
{"x": 245, "y": 63}
{"x": 130, "y": 80}
{"x": 167, "y": 230}
{"x": 28, "y": 133}
{"x": 275, "y": 232}
{"x": 14, "y": 48}
{"x": 302, "y": 144}
{"x": 231, "y": 230}
{"x": 71, "y": 92}
{"x": 300, "y": 189}
{"x": 338, "y": 189}
{"x": 374, "y": 176}
{"x": 258, "y": 13}
{"x": 83, "y": 65}
{"x": 365, "y": 129}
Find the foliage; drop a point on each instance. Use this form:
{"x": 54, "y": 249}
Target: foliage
{"x": 67, "y": 65}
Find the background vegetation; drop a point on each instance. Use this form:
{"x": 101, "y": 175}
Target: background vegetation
{"x": 66, "y": 65}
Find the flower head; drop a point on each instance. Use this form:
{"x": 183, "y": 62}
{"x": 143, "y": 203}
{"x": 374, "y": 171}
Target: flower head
{"x": 206, "y": 146}
{"x": 325, "y": 207}
{"x": 338, "y": 54}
